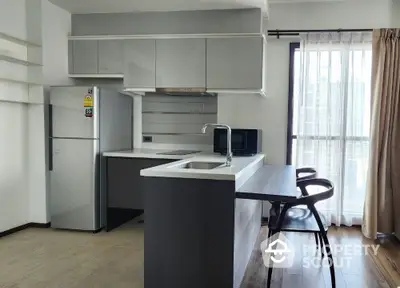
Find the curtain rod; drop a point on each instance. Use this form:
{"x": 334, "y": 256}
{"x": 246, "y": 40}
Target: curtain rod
{"x": 278, "y": 32}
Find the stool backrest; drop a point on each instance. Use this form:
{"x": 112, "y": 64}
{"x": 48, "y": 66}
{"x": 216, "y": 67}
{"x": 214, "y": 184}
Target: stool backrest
{"x": 311, "y": 173}
{"x": 314, "y": 198}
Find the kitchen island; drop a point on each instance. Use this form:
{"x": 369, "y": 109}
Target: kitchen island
{"x": 197, "y": 233}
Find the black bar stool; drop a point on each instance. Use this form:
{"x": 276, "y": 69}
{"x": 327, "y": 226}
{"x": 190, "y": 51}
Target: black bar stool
{"x": 306, "y": 173}
{"x": 309, "y": 222}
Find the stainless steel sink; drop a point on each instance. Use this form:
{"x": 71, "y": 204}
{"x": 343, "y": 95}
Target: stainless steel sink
{"x": 202, "y": 165}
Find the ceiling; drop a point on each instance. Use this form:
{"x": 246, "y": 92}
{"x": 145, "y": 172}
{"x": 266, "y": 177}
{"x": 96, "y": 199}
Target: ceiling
{"x": 115, "y": 6}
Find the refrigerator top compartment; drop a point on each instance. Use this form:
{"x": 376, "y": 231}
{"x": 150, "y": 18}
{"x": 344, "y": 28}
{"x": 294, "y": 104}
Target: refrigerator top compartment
{"x": 75, "y": 112}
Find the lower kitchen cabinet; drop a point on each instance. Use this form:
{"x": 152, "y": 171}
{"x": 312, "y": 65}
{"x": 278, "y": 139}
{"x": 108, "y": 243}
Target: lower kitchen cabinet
{"x": 124, "y": 183}
{"x": 125, "y": 196}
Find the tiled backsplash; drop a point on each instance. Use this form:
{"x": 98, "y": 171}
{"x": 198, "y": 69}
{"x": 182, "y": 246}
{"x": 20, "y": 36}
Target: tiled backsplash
{"x": 178, "y": 119}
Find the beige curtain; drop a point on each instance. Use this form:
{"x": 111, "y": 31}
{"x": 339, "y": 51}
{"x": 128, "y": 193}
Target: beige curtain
{"x": 383, "y": 182}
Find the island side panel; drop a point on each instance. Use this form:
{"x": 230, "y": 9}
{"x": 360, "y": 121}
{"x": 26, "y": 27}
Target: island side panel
{"x": 189, "y": 233}
{"x": 248, "y": 215}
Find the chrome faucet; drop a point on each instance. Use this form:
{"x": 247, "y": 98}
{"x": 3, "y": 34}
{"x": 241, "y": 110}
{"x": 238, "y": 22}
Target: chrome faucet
{"x": 228, "y": 138}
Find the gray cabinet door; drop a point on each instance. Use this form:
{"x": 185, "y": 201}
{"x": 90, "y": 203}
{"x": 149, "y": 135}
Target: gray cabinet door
{"x": 124, "y": 183}
{"x": 181, "y": 63}
{"x": 110, "y": 56}
{"x": 140, "y": 63}
{"x": 84, "y": 57}
{"x": 234, "y": 63}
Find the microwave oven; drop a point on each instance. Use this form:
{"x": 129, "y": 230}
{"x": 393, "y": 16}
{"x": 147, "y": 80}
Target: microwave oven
{"x": 245, "y": 142}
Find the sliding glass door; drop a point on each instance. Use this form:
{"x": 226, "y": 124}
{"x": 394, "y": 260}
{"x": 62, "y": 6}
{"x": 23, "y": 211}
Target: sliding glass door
{"x": 329, "y": 112}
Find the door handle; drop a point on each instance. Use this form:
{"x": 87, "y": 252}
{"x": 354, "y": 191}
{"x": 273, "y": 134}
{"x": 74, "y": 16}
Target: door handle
{"x": 50, "y": 137}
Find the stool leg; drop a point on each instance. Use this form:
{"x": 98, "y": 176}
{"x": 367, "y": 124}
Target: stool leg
{"x": 269, "y": 232}
{"x": 326, "y": 242}
{"x": 316, "y": 239}
{"x": 322, "y": 245}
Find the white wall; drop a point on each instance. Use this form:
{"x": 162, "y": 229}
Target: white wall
{"x": 12, "y": 18}
{"x": 36, "y": 139}
{"x": 23, "y": 145}
{"x": 354, "y": 14}
{"x": 56, "y": 26}
{"x": 396, "y": 14}
{"x": 14, "y": 196}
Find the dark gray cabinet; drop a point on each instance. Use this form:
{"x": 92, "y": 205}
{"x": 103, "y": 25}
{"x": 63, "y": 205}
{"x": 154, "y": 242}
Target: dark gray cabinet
{"x": 235, "y": 63}
{"x": 140, "y": 63}
{"x": 124, "y": 183}
{"x": 181, "y": 63}
{"x": 83, "y": 57}
{"x": 110, "y": 57}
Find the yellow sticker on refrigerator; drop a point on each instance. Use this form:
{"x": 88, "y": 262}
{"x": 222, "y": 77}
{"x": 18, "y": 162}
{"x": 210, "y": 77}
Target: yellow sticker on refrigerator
{"x": 88, "y": 101}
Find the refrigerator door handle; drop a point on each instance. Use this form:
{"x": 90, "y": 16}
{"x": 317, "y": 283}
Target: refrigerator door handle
{"x": 50, "y": 137}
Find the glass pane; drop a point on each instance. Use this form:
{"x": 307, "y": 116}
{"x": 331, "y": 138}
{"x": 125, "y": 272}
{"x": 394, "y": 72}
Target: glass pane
{"x": 296, "y": 89}
{"x": 359, "y": 94}
{"x": 333, "y": 109}
{"x": 356, "y": 164}
{"x": 322, "y": 154}
{"x": 316, "y": 110}
{"x": 294, "y": 152}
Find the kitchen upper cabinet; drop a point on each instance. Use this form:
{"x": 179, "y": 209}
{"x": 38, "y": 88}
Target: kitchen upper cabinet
{"x": 181, "y": 63}
{"x": 83, "y": 57}
{"x": 140, "y": 63}
{"x": 110, "y": 57}
{"x": 235, "y": 63}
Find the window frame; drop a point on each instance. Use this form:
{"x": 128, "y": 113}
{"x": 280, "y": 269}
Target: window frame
{"x": 290, "y": 137}
{"x": 289, "y": 146}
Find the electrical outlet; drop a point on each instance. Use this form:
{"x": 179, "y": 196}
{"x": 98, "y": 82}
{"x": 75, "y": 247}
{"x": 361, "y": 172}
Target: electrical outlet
{"x": 147, "y": 139}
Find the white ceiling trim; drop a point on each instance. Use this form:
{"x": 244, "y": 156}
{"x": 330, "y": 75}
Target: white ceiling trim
{"x": 167, "y": 36}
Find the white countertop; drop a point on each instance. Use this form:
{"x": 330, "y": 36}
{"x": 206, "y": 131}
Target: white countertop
{"x": 241, "y": 170}
{"x": 149, "y": 153}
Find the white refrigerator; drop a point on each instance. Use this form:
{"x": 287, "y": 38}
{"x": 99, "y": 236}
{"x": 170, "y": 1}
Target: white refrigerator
{"x": 84, "y": 123}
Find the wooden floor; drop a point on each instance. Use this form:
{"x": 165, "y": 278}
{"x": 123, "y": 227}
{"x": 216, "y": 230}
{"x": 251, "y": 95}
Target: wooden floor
{"x": 361, "y": 272}
{"x": 46, "y": 258}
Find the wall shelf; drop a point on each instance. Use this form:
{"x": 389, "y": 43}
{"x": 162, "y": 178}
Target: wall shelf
{"x": 18, "y": 61}
{"x": 19, "y": 81}
{"x": 18, "y": 40}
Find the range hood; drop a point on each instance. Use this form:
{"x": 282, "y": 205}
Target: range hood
{"x": 185, "y": 91}
{"x": 171, "y": 91}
